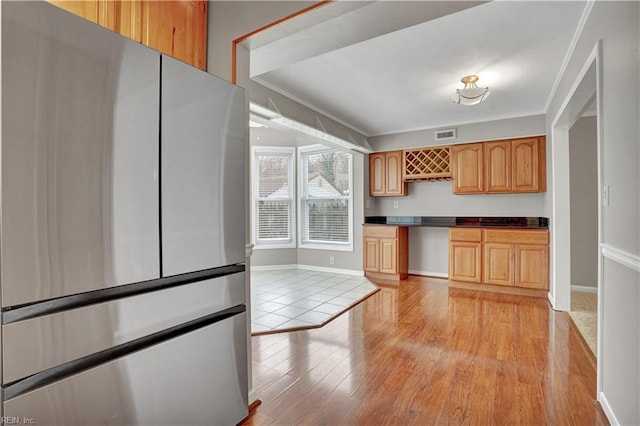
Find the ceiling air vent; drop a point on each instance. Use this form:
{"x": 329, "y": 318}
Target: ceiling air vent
{"x": 442, "y": 135}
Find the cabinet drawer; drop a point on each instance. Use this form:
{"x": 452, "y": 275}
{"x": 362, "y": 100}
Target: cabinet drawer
{"x": 472, "y": 235}
{"x": 381, "y": 231}
{"x": 516, "y": 237}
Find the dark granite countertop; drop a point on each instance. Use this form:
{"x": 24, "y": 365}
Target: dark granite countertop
{"x": 460, "y": 221}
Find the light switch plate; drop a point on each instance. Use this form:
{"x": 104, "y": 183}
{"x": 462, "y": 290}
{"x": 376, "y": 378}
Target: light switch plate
{"x": 395, "y": 204}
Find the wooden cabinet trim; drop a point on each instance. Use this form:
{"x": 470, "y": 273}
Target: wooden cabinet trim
{"x": 467, "y": 234}
{"x": 380, "y": 231}
{"x": 516, "y": 236}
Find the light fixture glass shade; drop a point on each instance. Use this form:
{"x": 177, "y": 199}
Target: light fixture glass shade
{"x": 471, "y": 94}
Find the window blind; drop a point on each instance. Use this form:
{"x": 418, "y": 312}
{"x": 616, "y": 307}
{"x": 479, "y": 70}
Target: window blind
{"x": 326, "y": 198}
{"x": 274, "y": 197}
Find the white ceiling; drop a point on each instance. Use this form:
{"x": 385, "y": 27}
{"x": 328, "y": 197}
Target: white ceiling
{"x": 391, "y": 66}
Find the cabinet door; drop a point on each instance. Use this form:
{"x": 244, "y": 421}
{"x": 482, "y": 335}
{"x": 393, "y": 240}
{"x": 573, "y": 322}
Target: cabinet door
{"x": 467, "y": 168}
{"x": 465, "y": 261}
{"x": 498, "y": 264}
{"x": 123, "y": 17}
{"x": 497, "y": 162}
{"x": 532, "y": 266}
{"x": 525, "y": 165}
{"x": 388, "y": 256}
{"x": 177, "y": 28}
{"x": 88, "y": 9}
{"x": 371, "y": 255}
{"x": 377, "y": 178}
{"x": 393, "y": 183}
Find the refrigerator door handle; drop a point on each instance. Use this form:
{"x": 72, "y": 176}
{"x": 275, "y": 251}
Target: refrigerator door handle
{"x": 54, "y": 374}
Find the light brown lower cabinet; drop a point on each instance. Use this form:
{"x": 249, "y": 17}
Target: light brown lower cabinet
{"x": 386, "y": 252}
{"x": 532, "y": 266}
{"x": 465, "y": 254}
{"x": 517, "y": 258}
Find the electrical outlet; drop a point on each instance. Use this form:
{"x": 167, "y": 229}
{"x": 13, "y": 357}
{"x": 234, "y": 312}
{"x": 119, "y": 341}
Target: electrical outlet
{"x": 605, "y": 195}
{"x": 395, "y": 204}
{"x": 332, "y": 260}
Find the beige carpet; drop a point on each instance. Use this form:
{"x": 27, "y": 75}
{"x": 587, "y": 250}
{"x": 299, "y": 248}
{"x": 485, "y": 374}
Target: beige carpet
{"x": 584, "y": 308}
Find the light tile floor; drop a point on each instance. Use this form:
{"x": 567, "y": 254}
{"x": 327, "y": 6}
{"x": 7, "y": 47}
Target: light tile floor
{"x": 294, "y": 298}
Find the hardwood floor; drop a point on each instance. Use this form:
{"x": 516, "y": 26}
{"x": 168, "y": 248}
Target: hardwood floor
{"x": 422, "y": 353}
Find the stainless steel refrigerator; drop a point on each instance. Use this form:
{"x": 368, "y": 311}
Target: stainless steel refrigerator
{"x": 122, "y": 230}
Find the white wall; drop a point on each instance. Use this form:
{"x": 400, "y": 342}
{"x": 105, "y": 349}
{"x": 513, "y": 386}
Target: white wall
{"x": 583, "y": 164}
{"x": 473, "y": 132}
{"x": 616, "y": 25}
{"x": 229, "y": 20}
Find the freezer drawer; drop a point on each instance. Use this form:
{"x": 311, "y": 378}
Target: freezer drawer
{"x": 198, "y": 378}
{"x": 36, "y": 344}
{"x": 80, "y": 156}
{"x": 203, "y": 190}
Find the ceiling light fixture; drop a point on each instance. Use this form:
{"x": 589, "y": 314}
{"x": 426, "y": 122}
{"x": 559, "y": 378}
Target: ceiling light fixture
{"x": 471, "y": 94}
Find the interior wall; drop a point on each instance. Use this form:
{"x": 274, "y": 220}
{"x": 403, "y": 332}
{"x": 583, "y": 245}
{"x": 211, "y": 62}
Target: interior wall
{"x": 583, "y": 163}
{"x": 615, "y": 24}
{"x": 429, "y": 251}
{"x": 472, "y": 132}
{"x": 229, "y": 20}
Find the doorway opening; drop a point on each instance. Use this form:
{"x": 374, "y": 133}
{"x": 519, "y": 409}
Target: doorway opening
{"x": 583, "y": 177}
{"x": 577, "y": 217}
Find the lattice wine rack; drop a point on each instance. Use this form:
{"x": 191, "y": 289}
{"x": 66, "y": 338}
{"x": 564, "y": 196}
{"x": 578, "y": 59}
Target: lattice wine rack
{"x": 426, "y": 164}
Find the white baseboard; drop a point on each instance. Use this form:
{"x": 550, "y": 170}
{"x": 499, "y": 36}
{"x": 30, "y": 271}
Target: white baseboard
{"x": 608, "y": 411}
{"x": 552, "y": 301}
{"x": 584, "y": 288}
{"x": 429, "y": 274}
{"x": 332, "y": 270}
{"x": 308, "y": 268}
{"x": 273, "y": 267}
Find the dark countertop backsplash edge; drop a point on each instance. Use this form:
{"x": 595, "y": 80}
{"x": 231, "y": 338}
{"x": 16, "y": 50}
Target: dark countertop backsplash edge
{"x": 461, "y": 221}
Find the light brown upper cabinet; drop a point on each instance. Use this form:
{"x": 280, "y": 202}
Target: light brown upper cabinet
{"x": 385, "y": 174}
{"x": 467, "y": 168}
{"x": 510, "y": 166}
{"x": 528, "y": 170}
{"x": 176, "y": 28}
{"x": 426, "y": 164}
{"x": 497, "y": 163}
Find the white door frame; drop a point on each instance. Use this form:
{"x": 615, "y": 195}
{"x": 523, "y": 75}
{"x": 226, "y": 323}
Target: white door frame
{"x": 589, "y": 78}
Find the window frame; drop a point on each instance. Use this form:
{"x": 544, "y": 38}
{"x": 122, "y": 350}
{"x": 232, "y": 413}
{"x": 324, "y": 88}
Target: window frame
{"x": 302, "y": 183}
{"x": 255, "y": 181}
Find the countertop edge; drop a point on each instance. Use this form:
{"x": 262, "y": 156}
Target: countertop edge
{"x": 507, "y": 222}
